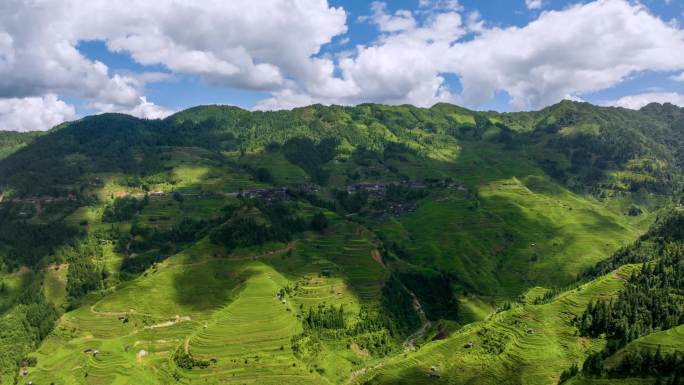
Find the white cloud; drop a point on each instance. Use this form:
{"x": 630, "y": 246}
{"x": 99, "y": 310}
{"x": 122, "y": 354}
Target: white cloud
{"x": 274, "y": 45}
{"x": 402, "y": 66}
{"x": 635, "y": 102}
{"x": 678, "y": 78}
{"x": 285, "y": 99}
{"x": 533, "y": 4}
{"x": 568, "y": 53}
{"x": 33, "y": 113}
{"x": 579, "y": 50}
{"x": 238, "y": 43}
{"x": 144, "y": 109}
{"x": 439, "y": 5}
{"x": 247, "y": 44}
{"x": 401, "y": 20}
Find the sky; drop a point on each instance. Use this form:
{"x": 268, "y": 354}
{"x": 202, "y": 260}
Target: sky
{"x": 64, "y": 59}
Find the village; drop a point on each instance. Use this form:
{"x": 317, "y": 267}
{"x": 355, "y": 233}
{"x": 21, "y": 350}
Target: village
{"x": 374, "y": 189}
{"x": 271, "y": 194}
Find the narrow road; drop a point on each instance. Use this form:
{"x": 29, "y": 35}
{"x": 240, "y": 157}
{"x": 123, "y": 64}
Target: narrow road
{"x": 409, "y": 344}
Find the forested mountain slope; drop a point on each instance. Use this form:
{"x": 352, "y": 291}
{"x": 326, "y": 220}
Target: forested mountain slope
{"x": 332, "y": 244}
{"x": 11, "y": 141}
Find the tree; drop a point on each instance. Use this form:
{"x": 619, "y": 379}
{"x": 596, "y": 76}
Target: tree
{"x": 178, "y": 197}
{"x": 264, "y": 175}
{"x": 319, "y": 222}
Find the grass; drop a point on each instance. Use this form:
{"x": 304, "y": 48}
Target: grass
{"x": 54, "y": 284}
{"x": 512, "y": 229}
{"x": 283, "y": 172}
{"x": 669, "y": 341}
{"x": 473, "y": 309}
{"x": 258, "y": 328}
{"x": 503, "y": 351}
{"x": 205, "y": 301}
{"x": 227, "y": 309}
{"x": 13, "y": 284}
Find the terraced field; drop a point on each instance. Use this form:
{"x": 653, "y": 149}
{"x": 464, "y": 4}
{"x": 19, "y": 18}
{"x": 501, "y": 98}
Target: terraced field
{"x": 250, "y": 337}
{"x": 219, "y": 309}
{"x": 348, "y": 250}
{"x": 536, "y": 342}
{"x": 669, "y": 341}
{"x": 504, "y": 233}
{"x": 508, "y": 236}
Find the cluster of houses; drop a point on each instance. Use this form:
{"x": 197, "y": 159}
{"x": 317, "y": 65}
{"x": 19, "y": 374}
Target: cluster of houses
{"x": 378, "y": 188}
{"x": 267, "y": 194}
{"x": 39, "y": 200}
{"x": 372, "y": 188}
{"x": 277, "y": 194}
{"x": 282, "y": 193}
{"x": 36, "y": 202}
{"x": 162, "y": 194}
{"x": 402, "y": 208}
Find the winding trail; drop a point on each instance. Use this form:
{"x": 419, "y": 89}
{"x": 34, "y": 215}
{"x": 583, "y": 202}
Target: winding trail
{"x": 409, "y": 343}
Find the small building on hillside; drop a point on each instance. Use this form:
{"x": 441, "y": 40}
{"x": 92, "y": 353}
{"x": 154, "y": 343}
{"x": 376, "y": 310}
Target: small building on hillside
{"x": 373, "y": 188}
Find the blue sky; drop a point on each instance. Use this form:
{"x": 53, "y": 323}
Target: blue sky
{"x": 504, "y": 55}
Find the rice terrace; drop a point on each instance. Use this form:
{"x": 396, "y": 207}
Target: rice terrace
{"x": 304, "y": 200}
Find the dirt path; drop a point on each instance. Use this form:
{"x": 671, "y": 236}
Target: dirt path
{"x": 409, "y": 344}
{"x": 106, "y": 313}
{"x": 355, "y": 374}
{"x": 378, "y": 258}
{"x": 169, "y": 323}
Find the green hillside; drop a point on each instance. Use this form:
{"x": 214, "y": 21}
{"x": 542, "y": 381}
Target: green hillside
{"x": 341, "y": 245}
{"x": 11, "y": 141}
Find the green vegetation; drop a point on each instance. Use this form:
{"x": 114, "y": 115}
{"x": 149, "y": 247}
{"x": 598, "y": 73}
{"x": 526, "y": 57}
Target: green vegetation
{"x": 362, "y": 245}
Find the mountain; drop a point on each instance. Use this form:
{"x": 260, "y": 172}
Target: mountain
{"x": 11, "y": 141}
{"x": 330, "y": 244}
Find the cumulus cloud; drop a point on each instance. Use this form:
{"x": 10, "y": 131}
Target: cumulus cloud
{"x": 285, "y": 99}
{"x": 246, "y": 44}
{"x": 144, "y": 109}
{"x": 401, "y": 20}
{"x": 403, "y": 65}
{"x": 582, "y": 49}
{"x": 562, "y": 54}
{"x": 635, "y": 102}
{"x": 679, "y": 78}
{"x": 275, "y": 46}
{"x": 439, "y": 5}
{"x": 33, "y": 113}
{"x": 533, "y": 4}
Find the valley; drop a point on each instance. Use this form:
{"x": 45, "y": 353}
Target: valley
{"x": 337, "y": 245}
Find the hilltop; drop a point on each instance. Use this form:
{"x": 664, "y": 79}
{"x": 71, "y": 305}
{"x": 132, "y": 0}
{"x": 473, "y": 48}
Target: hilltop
{"x": 331, "y": 244}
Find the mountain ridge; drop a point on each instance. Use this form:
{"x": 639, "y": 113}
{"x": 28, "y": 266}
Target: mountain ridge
{"x": 333, "y": 225}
